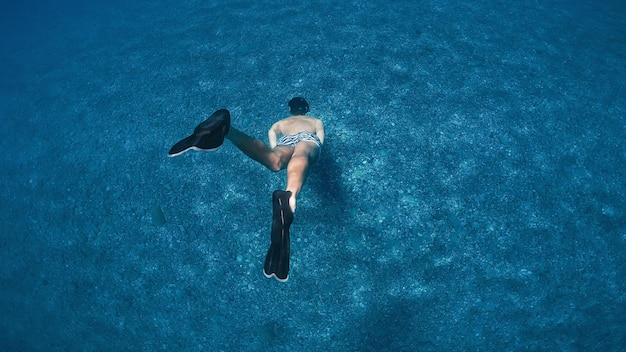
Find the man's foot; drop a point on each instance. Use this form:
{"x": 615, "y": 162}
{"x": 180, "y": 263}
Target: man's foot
{"x": 292, "y": 202}
{"x": 277, "y": 258}
{"x": 207, "y": 136}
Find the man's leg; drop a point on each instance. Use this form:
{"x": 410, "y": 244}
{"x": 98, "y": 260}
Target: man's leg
{"x": 303, "y": 156}
{"x": 274, "y": 160}
{"x": 283, "y": 206}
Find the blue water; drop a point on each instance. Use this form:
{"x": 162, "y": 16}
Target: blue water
{"x": 470, "y": 195}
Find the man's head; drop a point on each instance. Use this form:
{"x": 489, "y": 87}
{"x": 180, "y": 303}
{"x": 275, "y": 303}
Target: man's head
{"x": 298, "y": 106}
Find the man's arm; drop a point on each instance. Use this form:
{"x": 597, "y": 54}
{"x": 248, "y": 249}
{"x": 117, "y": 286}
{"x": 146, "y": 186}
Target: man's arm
{"x": 272, "y": 135}
{"x": 319, "y": 130}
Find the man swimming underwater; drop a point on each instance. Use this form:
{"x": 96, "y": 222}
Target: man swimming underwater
{"x": 299, "y": 146}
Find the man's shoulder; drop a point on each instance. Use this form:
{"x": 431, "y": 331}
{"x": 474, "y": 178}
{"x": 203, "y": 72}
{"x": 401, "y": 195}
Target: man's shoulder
{"x": 296, "y": 118}
{"x": 309, "y": 118}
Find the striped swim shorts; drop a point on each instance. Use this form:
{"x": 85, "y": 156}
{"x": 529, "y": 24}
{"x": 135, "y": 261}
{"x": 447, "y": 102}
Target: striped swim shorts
{"x": 293, "y": 139}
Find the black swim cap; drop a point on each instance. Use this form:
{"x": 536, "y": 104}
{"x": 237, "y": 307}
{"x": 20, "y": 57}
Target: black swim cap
{"x": 298, "y": 106}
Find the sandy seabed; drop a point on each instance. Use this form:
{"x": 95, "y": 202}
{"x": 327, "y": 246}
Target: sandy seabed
{"x": 469, "y": 197}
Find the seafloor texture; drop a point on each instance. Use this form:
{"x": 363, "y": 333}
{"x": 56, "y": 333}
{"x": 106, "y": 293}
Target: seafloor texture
{"x": 469, "y": 197}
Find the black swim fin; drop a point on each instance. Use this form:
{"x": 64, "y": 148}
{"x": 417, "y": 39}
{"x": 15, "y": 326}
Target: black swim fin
{"x": 207, "y": 136}
{"x": 277, "y": 258}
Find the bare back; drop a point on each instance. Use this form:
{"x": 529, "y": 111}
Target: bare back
{"x": 294, "y": 124}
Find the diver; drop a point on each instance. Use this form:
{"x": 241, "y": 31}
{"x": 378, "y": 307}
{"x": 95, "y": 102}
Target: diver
{"x": 294, "y": 144}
